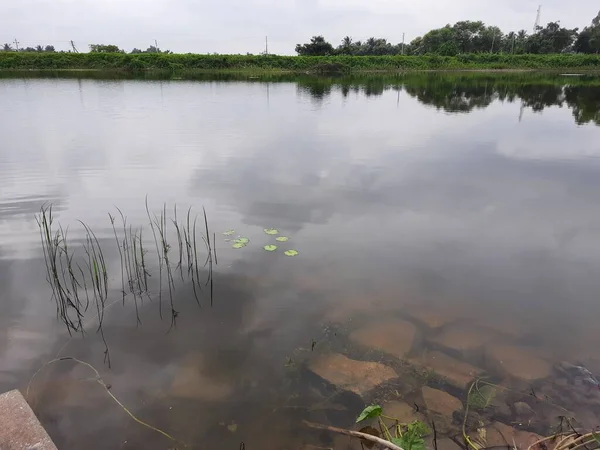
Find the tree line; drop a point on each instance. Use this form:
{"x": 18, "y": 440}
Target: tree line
{"x": 468, "y": 37}
{"x": 94, "y": 48}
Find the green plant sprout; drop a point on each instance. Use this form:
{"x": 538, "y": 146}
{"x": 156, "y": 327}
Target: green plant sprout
{"x": 408, "y": 436}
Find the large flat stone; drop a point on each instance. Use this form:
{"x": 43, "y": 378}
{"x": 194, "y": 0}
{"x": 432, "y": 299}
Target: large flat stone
{"x": 403, "y": 412}
{"x": 458, "y": 373}
{"x": 19, "y": 428}
{"x": 351, "y": 375}
{"x": 441, "y": 407}
{"x": 433, "y": 317}
{"x": 393, "y": 336}
{"x": 463, "y": 338}
{"x": 499, "y": 434}
{"x": 517, "y": 362}
{"x": 193, "y": 381}
{"x": 440, "y": 402}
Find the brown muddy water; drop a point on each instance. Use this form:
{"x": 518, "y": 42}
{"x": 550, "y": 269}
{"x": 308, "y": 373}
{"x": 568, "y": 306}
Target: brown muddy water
{"x": 447, "y": 227}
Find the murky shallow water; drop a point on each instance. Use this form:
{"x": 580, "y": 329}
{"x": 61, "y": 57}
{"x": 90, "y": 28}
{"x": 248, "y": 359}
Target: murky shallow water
{"x": 462, "y": 208}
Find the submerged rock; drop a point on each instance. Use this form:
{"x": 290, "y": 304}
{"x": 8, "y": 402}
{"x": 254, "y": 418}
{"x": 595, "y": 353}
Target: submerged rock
{"x": 393, "y": 336}
{"x": 499, "y": 434}
{"x": 433, "y": 317}
{"x": 441, "y": 407}
{"x": 401, "y": 411}
{"x": 440, "y": 402}
{"x": 193, "y": 381}
{"x": 517, "y": 362}
{"x": 351, "y": 375}
{"x": 463, "y": 338}
{"x": 458, "y": 373}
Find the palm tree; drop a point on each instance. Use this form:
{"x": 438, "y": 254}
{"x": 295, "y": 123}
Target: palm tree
{"x": 39, "y": 48}
{"x": 7, "y": 48}
{"x": 347, "y": 41}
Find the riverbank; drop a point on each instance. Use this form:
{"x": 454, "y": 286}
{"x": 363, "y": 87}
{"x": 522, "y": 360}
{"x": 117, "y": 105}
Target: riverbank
{"x": 292, "y": 64}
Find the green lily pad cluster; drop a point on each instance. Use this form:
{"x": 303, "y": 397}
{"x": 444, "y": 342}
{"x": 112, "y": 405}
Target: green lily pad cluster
{"x": 242, "y": 242}
{"x": 273, "y": 247}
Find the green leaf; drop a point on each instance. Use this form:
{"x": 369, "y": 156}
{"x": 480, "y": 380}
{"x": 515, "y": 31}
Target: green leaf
{"x": 282, "y": 238}
{"x": 291, "y": 253}
{"x": 270, "y": 248}
{"x": 481, "y": 397}
{"x": 242, "y": 240}
{"x": 239, "y": 245}
{"x": 369, "y": 412}
{"x": 228, "y": 232}
{"x": 596, "y": 437}
{"x": 271, "y": 231}
{"x": 399, "y": 442}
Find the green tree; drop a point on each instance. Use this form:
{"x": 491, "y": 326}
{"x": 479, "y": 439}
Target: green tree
{"x": 101, "y": 48}
{"x": 7, "y": 48}
{"x": 318, "y": 46}
{"x": 551, "y": 39}
{"x": 49, "y": 48}
{"x": 588, "y": 40}
{"x": 346, "y": 48}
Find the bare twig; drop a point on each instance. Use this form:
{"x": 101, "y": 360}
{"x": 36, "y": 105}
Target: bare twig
{"x": 358, "y": 434}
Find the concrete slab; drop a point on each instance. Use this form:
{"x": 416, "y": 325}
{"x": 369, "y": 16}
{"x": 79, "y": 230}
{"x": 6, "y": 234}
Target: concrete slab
{"x": 19, "y": 428}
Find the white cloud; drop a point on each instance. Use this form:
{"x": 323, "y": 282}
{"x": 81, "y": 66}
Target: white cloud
{"x": 238, "y": 26}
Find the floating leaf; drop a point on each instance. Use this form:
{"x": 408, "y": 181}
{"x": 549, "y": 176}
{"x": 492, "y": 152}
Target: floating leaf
{"x": 228, "y": 232}
{"x": 232, "y": 427}
{"x": 369, "y": 412}
{"x": 481, "y": 397}
{"x": 239, "y": 245}
{"x": 271, "y": 231}
{"x": 242, "y": 240}
{"x": 291, "y": 253}
{"x": 270, "y": 248}
{"x": 282, "y": 238}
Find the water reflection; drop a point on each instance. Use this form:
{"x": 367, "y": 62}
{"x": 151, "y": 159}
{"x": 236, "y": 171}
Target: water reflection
{"x": 420, "y": 198}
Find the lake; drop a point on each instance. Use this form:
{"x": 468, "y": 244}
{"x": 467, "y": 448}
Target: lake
{"x": 447, "y": 227}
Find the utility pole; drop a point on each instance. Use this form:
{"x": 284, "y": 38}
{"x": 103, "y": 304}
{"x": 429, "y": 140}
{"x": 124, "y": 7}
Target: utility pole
{"x": 74, "y": 48}
{"x": 16, "y": 44}
{"x": 403, "y": 43}
{"x": 493, "y": 40}
{"x": 537, "y": 19}
{"x": 156, "y": 44}
{"x": 513, "y": 44}
{"x": 266, "y": 45}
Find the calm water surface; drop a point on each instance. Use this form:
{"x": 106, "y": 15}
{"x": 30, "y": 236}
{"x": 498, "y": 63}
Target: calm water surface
{"x": 476, "y": 199}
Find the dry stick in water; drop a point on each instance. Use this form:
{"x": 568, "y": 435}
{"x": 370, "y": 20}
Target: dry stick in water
{"x": 357, "y": 434}
{"x": 98, "y": 379}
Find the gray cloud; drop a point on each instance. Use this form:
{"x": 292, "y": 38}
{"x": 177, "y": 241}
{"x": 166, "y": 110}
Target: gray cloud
{"x": 240, "y": 26}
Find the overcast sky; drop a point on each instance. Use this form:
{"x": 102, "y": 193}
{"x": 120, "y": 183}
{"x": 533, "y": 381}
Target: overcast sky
{"x": 240, "y": 26}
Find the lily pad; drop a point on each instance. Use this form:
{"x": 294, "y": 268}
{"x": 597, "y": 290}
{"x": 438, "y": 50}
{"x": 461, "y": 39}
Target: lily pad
{"x": 242, "y": 240}
{"x": 239, "y": 245}
{"x": 291, "y": 253}
{"x": 228, "y": 232}
{"x": 270, "y": 248}
{"x": 282, "y": 238}
{"x": 271, "y": 231}
{"x": 233, "y": 427}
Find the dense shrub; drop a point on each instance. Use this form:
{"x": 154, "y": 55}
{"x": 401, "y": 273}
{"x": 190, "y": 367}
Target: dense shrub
{"x": 136, "y": 62}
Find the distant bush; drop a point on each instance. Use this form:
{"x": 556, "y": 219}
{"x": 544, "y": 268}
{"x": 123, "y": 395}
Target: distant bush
{"x": 317, "y": 64}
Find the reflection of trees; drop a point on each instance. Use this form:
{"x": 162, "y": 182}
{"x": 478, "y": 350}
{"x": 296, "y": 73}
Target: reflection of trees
{"x": 585, "y": 103}
{"x": 452, "y": 97}
{"x": 464, "y": 93}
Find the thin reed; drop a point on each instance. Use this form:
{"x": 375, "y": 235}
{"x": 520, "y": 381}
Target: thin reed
{"x": 77, "y": 271}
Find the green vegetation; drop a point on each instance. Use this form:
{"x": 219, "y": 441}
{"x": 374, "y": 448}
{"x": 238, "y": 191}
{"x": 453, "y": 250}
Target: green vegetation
{"x": 322, "y": 64}
{"x": 467, "y": 37}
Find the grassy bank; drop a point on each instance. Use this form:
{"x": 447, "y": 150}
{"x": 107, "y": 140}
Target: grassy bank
{"x": 177, "y": 62}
